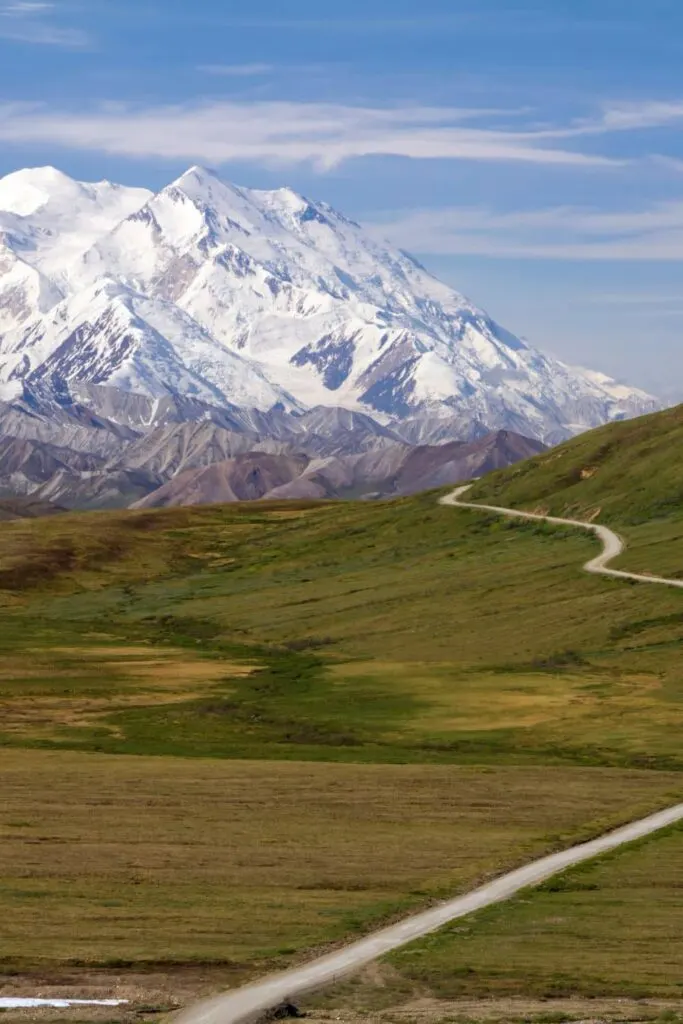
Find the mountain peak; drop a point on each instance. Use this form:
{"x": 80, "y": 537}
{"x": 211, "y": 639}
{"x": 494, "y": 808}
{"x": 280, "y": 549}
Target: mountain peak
{"x": 203, "y": 179}
{"x": 198, "y": 173}
{"x": 204, "y": 186}
{"x": 25, "y": 192}
{"x": 45, "y": 175}
{"x": 287, "y": 195}
{"x": 257, "y": 297}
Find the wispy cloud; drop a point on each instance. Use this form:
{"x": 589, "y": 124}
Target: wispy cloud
{"x": 357, "y": 25}
{"x": 27, "y": 8}
{"x": 613, "y": 118}
{"x": 646, "y": 114}
{"x": 236, "y": 70}
{"x": 476, "y": 17}
{"x": 288, "y": 133}
{"x": 257, "y": 70}
{"x": 322, "y": 134}
{"x": 654, "y": 233}
{"x": 24, "y": 21}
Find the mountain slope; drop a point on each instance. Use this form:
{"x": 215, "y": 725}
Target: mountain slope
{"x": 26, "y": 464}
{"x": 259, "y": 301}
{"x": 106, "y": 489}
{"x": 49, "y": 219}
{"x": 389, "y": 471}
{"x": 180, "y": 446}
{"x": 244, "y": 478}
{"x": 26, "y": 508}
{"x": 625, "y": 473}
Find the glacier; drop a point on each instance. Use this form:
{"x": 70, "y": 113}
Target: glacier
{"x": 262, "y": 301}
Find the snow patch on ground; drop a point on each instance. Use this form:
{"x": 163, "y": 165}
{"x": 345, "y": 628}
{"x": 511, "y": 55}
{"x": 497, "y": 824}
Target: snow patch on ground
{"x": 12, "y": 1003}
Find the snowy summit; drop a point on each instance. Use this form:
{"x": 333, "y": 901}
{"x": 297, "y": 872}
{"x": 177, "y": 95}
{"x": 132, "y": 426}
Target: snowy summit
{"x": 251, "y": 299}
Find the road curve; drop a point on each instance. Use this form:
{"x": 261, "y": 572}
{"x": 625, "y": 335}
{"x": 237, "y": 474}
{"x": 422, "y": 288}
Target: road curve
{"x": 247, "y": 1004}
{"x": 612, "y": 544}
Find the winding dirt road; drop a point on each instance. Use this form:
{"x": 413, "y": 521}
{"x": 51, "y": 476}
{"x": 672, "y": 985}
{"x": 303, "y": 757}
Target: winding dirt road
{"x": 247, "y": 1004}
{"x": 612, "y": 544}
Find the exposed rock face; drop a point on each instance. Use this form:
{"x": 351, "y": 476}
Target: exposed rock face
{"x": 215, "y": 343}
{"x": 391, "y": 471}
{"x": 254, "y": 305}
{"x": 26, "y": 508}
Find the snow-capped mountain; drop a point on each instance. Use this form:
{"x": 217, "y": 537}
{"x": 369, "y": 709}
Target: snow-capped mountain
{"x": 47, "y": 220}
{"x": 50, "y": 219}
{"x": 258, "y": 300}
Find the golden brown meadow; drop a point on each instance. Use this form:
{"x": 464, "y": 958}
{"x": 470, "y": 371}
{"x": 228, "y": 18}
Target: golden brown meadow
{"x": 154, "y": 860}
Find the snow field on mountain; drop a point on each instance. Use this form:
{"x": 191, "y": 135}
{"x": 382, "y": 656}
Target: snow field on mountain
{"x": 255, "y": 300}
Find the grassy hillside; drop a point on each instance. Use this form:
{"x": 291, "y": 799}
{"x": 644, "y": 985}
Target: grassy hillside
{"x": 388, "y": 632}
{"x": 240, "y": 864}
{"x": 608, "y": 929}
{"x": 628, "y": 473}
{"x": 453, "y": 660}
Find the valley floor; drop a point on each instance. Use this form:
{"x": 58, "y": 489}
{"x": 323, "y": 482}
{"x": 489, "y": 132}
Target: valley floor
{"x": 608, "y": 930}
{"x": 235, "y": 736}
{"x": 572, "y": 1010}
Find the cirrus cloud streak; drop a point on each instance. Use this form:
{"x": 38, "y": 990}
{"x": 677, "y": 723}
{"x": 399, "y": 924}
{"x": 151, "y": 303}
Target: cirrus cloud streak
{"x": 281, "y": 133}
{"x": 31, "y": 21}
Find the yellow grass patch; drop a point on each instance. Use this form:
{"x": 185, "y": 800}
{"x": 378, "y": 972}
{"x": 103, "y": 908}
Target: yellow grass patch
{"x": 166, "y": 662}
{"x": 456, "y": 701}
{"x": 121, "y": 676}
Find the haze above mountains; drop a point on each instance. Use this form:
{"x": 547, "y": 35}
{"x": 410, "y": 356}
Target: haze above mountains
{"x": 144, "y": 337}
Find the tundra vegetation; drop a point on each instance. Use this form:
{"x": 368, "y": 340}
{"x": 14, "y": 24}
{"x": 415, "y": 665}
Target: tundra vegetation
{"x": 232, "y": 736}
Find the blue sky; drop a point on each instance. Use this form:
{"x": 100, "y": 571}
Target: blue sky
{"x": 530, "y": 153}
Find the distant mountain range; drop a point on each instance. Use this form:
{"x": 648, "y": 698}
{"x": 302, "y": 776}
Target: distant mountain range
{"x": 144, "y": 336}
{"x": 390, "y": 471}
{"x": 332, "y": 454}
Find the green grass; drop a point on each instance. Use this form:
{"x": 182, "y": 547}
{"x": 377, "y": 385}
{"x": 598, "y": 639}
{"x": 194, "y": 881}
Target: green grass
{"x": 165, "y": 861}
{"x": 399, "y": 631}
{"x": 608, "y": 928}
{"x": 252, "y": 641}
{"x": 628, "y": 473}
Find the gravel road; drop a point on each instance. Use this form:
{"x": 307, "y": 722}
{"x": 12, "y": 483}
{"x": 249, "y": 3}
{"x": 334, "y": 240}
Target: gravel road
{"x": 250, "y": 1002}
{"x": 612, "y": 544}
